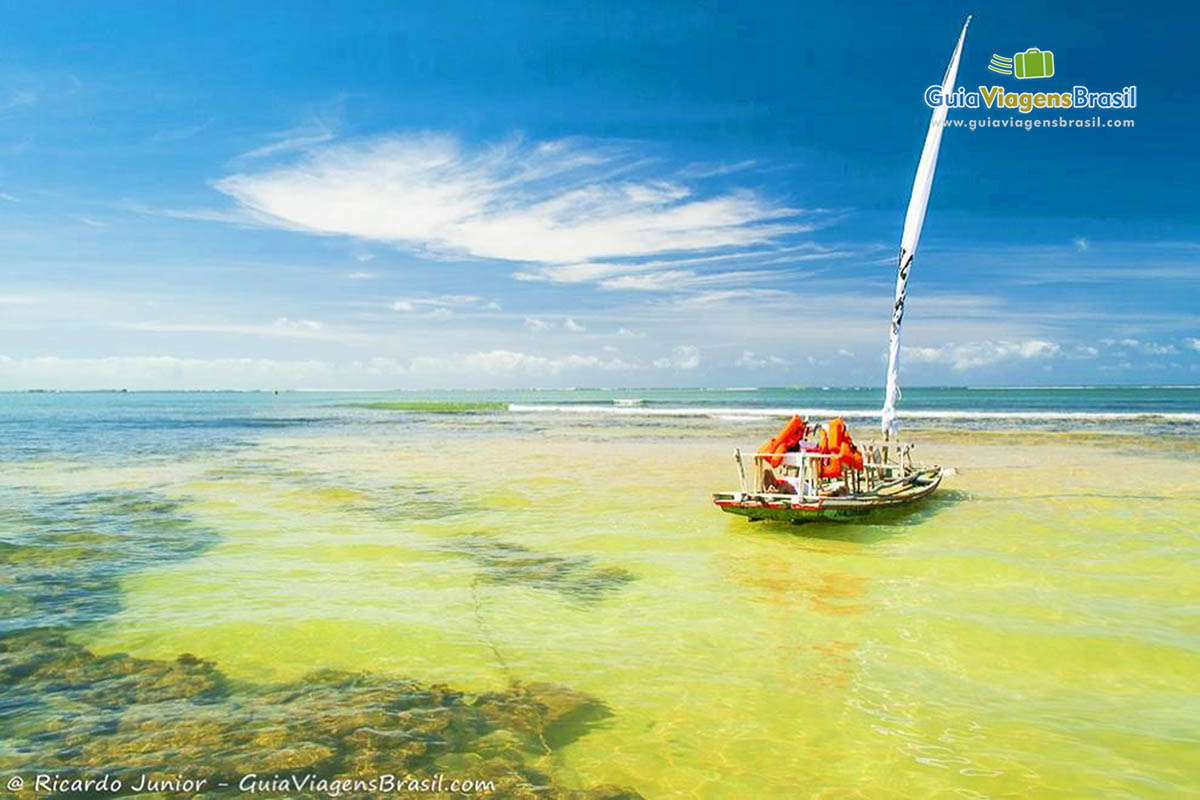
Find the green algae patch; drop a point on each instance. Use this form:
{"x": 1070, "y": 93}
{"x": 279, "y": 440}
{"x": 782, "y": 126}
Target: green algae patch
{"x": 404, "y": 503}
{"x": 77, "y": 714}
{"x": 61, "y": 557}
{"x": 575, "y": 577}
{"x": 430, "y": 407}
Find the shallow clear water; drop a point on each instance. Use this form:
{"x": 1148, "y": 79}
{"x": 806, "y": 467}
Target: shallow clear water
{"x": 1032, "y": 631}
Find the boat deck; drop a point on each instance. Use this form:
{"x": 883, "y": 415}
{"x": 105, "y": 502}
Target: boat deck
{"x": 796, "y": 508}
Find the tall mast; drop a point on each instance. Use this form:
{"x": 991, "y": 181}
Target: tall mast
{"x": 913, "y": 220}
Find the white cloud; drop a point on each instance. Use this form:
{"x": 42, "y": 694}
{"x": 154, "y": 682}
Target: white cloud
{"x": 725, "y": 296}
{"x": 281, "y": 328}
{"x": 535, "y": 324}
{"x": 22, "y": 98}
{"x": 16, "y": 300}
{"x": 299, "y": 138}
{"x": 578, "y": 273}
{"x": 573, "y": 326}
{"x": 507, "y": 362}
{"x": 441, "y": 304}
{"x": 364, "y": 257}
{"x": 553, "y": 203}
{"x": 171, "y": 372}
{"x": 285, "y": 324}
{"x": 361, "y": 276}
{"x": 750, "y": 360}
{"x": 685, "y": 268}
{"x": 158, "y": 372}
{"x": 651, "y": 281}
{"x": 1147, "y": 347}
{"x": 180, "y": 133}
{"x": 1081, "y": 244}
{"x": 981, "y": 354}
{"x": 629, "y": 333}
{"x": 685, "y": 280}
{"x": 682, "y": 357}
{"x": 1193, "y": 343}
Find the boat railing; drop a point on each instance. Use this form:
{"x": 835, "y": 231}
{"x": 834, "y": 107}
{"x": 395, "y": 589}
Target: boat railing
{"x": 884, "y": 463}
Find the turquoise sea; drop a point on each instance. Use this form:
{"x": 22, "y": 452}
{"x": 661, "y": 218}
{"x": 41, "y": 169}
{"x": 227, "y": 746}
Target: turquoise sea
{"x": 113, "y": 423}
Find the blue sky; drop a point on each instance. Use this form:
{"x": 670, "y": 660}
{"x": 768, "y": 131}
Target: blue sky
{"x": 361, "y": 195}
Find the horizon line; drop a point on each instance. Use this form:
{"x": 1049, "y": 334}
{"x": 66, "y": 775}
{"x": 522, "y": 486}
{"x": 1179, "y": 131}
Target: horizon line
{"x": 960, "y": 387}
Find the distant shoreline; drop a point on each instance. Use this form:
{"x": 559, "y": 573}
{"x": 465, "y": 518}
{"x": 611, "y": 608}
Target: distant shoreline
{"x": 933, "y": 387}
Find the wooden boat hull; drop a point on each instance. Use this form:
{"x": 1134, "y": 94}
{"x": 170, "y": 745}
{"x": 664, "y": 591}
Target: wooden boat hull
{"x": 790, "y": 508}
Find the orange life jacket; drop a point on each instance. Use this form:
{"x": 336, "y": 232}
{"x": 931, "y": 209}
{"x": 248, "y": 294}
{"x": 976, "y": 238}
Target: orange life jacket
{"x": 787, "y": 438}
{"x": 835, "y": 440}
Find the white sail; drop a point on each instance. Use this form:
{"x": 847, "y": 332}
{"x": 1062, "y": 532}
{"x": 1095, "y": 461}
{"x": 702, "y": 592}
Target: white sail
{"x": 913, "y": 220}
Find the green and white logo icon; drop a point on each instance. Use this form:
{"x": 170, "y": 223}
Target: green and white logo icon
{"x": 1033, "y": 63}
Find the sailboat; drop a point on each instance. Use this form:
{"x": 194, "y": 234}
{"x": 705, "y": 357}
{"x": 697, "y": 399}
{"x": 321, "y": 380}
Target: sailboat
{"x": 795, "y": 478}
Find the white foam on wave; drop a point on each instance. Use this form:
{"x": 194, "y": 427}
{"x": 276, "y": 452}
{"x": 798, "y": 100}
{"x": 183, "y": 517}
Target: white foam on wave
{"x": 945, "y": 414}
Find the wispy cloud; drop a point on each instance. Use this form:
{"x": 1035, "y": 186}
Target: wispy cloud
{"x": 17, "y": 300}
{"x": 677, "y": 280}
{"x": 159, "y": 372}
{"x": 281, "y": 328}
{"x": 22, "y": 98}
{"x": 598, "y": 271}
{"x": 508, "y": 362}
{"x": 172, "y": 372}
{"x": 685, "y": 356}
{"x": 180, "y": 133}
{"x": 1149, "y": 348}
{"x": 560, "y": 202}
{"x": 299, "y": 138}
{"x": 444, "y": 302}
{"x": 981, "y": 354}
{"x": 750, "y": 360}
